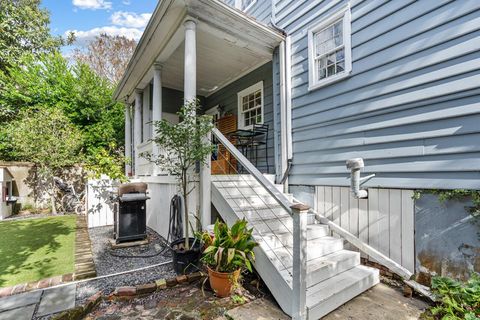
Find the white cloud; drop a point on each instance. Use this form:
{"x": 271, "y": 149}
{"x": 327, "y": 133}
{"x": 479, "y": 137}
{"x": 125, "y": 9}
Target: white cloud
{"x": 130, "y": 19}
{"x": 92, "y": 4}
{"x": 83, "y": 37}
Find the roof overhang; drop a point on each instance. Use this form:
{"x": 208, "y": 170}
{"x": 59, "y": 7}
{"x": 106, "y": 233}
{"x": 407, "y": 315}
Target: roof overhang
{"x": 248, "y": 41}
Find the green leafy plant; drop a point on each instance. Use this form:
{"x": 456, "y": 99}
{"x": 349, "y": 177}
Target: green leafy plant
{"x": 231, "y": 248}
{"x": 456, "y": 300}
{"x": 182, "y": 146}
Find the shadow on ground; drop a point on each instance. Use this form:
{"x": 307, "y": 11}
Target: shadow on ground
{"x": 34, "y": 249}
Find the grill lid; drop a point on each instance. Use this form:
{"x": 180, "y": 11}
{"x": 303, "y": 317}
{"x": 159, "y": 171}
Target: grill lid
{"x": 128, "y": 197}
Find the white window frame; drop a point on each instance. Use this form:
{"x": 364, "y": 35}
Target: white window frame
{"x": 245, "y": 92}
{"x": 344, "y": 13}
{"x": 238, "y": 5}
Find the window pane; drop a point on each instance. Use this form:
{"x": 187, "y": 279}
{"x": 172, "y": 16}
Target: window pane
{"x": 330, "y": 59}
{"x": 338, "y": 28}
{"x": 340, "y": 54}
{"x": 330, "y": 70}
{"x": 340, "y": 66}
{"x": 322, "y": 72}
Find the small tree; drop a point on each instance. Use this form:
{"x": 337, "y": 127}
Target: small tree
{"x": 45, "y": 137}
{"x": 182, "y": 146}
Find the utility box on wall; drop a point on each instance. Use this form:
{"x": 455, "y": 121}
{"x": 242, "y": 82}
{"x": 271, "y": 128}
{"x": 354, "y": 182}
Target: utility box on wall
{"x": 7, "y": 201}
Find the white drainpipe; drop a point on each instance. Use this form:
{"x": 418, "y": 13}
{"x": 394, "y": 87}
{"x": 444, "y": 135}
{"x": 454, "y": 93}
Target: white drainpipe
{"x": 355, "y": 165}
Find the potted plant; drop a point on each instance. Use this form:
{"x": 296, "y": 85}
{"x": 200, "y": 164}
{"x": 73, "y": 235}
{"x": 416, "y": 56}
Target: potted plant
{"x": 228, "y": 253}
{"x": 182, "y": 146}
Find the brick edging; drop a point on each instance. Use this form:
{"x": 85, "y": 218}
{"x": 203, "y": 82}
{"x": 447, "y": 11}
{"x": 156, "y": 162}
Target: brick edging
{"x": 41, "y": 284}
{"x": 84, "y": 264}
{"x": 161, "y": 284}
{"x": 81, "y": 311}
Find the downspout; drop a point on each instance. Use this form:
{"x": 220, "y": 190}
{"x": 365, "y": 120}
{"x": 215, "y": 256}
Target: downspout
{"x": 285, "y": 103}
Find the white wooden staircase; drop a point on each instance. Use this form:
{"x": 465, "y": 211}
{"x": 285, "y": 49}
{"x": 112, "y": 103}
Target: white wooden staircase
{"x": 333, "y": 275}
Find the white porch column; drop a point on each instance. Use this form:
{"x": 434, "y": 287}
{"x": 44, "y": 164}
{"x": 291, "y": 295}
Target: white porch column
{"x": 128, "y": 140}
{"x": 137, "y": 127}
{"x": 157, "y": 108}
{"x": 190, "y": 70}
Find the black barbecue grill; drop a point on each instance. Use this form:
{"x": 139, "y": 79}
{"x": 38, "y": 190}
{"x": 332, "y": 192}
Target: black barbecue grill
{"x": 130, "y": 222}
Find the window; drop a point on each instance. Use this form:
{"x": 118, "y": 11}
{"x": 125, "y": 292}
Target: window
{"x": 329, "y": 53}
{"x": 250, "y": 106}
{"x": 244, "y": 5}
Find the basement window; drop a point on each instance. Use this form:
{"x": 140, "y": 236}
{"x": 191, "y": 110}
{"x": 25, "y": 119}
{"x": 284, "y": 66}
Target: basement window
{"x": 244, "y": 5}
{"x": 329, "y": 50}
{"x": 250, "y": 106}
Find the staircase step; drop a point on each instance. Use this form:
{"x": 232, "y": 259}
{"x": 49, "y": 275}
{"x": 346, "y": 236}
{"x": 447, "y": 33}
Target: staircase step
{"x": 282, "y": 258}
{"x": 323, "y": 268}
{"x": 328, "y": 295}
{"x": 278, "y": 239}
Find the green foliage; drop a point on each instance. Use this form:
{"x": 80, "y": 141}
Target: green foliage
{"x": 102, "y": 162}
{"x": 456, "y": 300}
{"x": 182, "y": 146}
{"x": 46, "y": 137}
{"x": 48, "y": 82}
{"x": 24, "y": 29}
{"x": 231, "y": 248}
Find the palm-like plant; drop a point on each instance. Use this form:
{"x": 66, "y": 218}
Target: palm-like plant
{"x": 231, "y": 248}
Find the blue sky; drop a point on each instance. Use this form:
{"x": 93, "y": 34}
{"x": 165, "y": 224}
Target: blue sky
{"x": 89, "y": 18}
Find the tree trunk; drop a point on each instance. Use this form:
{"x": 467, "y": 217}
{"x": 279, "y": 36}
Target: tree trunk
{"x": 185, "y": 205}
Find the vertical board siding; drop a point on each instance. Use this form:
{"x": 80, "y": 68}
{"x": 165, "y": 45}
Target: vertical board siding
{"x": 228, "y": 99}
{"x": 158, "y": 206}
{"x": 385, "y": 220}
{"x": 410, "y": 107}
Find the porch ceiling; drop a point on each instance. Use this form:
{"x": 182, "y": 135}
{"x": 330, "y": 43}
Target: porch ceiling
{"x": 219, "y": 61}
{"x": 229, "y": 45}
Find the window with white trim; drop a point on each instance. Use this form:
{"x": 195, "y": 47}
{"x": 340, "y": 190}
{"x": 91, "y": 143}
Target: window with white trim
{"x": 244, "y": 5}
{"x": 330, "y": 52}
{"x": 250, "y": 106}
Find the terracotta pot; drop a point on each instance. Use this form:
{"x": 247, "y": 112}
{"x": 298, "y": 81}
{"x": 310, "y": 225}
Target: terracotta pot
{"x": 223, "y": 282}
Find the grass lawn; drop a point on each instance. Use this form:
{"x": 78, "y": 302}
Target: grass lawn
{"x": 35, "y": 249}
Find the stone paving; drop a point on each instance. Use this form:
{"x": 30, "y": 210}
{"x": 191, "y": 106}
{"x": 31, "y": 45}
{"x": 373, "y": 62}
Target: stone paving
{"x": 186, "y": 302}
{"x": 44, "y": 302}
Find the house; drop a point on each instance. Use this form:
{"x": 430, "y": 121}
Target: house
{"x": 6, "y": 193}
{"x": 395, "y": 83}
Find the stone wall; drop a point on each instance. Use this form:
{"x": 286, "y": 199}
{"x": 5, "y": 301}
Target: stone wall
{"x": 31, "y": 192}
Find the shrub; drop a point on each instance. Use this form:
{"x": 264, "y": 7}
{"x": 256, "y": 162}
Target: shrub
{"x": 456, "y": 300}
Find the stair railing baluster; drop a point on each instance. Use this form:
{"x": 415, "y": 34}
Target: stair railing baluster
{"x": 299, "y": 280}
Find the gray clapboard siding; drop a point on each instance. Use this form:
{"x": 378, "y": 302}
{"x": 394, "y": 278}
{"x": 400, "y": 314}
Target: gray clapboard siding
{"x": 411, "y": 105}
{"x": 385, "y": 220}
{"x": 228, "y": 99}
{"x": 261, "y": 10}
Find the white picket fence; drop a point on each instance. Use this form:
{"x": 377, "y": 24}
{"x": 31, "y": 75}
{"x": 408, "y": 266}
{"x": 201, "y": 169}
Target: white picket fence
{"x": 99, "y": 207}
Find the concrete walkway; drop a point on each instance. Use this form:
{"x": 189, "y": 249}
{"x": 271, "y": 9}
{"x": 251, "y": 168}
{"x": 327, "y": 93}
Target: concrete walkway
{"x": 41, "y": 303}
{"x": 379, "y": 303}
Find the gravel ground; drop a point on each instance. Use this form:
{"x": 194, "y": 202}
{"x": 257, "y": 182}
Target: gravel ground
{"x": 108, "y": 285}
{"x": 105, "y": 261}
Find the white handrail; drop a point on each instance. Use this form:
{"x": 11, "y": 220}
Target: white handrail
{"x": 279, "y": 196}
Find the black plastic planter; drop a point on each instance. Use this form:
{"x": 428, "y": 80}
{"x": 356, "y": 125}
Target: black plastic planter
{"x": 186, "y": 261}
